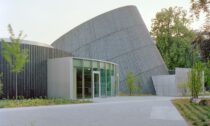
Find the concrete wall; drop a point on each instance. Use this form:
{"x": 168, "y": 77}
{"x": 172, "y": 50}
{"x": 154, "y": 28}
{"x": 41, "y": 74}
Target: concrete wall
{"x": 182, "y": 75}
{"x": 182, "y": 79}
{"x": 165, "y": 85}
{"x": 60, "y": 78}
{"x": 168, "y": 85}
{"x": 119, "y": 36}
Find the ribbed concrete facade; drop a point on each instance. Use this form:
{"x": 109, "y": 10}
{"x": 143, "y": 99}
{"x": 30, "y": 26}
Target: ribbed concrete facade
{"x": 32, "y": 81}
{"x": 118, "y": 36}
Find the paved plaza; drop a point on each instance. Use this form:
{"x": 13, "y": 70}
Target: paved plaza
{"x": 115, "y": 111}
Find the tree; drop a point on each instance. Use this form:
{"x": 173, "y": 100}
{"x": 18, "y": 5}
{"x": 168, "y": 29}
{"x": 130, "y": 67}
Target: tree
{"x": 1, "y": 85}
{"x": 207, "y": 74}
{"x": 201, "y": 6}
{"x": 202, "y": 41}
{"x": 195, "y": 79}
{"x": 1, "y": 88}
{"x": 173, "y": 37}
{"x": 14, "y": 55}
{"x": 203, "y": 37}
{"x": 130, "y": 82}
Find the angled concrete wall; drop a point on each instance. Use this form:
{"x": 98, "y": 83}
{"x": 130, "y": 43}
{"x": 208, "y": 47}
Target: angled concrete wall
{"x": 118, "y": 36}
{"x": 165, "y": 85}
{"x": 169, "y": 85}
{"x": 182, "y": 75}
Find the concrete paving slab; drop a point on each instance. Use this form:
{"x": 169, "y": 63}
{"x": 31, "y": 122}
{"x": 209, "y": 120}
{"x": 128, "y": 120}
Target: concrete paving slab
{"x": 115, "y": 111}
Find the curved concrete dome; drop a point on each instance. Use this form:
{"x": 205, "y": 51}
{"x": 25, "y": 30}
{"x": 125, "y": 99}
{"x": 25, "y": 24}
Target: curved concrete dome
{"x": 118, "y": 36}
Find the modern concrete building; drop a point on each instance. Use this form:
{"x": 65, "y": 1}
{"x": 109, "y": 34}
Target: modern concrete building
{"x": 87, "y": 61}
{"x": 55, "y": 73}
{"x": 118, "y": 36}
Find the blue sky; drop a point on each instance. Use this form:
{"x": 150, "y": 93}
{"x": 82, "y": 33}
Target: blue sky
{"x": 46, "y": 20}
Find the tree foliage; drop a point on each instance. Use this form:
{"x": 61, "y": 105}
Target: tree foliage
{"x": 207, "y": 74}
{"x": 201, "y": 6}
{"x": 130, "y": 82}
{"x": 173, "y": 37}
{"x": 202, "y": 41}
{"x": 1, "y": 85}
{"x": 13, "y": 54}
{"x": 195, "y": 79}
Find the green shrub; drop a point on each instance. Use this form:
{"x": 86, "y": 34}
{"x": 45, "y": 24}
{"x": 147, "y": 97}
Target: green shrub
{"x": 38, "y": 102}
{"x": 195, "y": 80}
{"x": 130, "y": 82}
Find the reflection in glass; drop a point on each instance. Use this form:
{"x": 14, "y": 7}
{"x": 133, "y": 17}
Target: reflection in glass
{"x": 108, "y": 80}
{"x": 79, "y": 82}
{"x": 95, "y": 64}
{"x": 85, "y": 79}
{"x": 77, "y": 62}
{"x": 87, "y": 82}
{"x": 86, "y": 63}
{"x": 96, "y": 85}
{"x": 103, "y": 79}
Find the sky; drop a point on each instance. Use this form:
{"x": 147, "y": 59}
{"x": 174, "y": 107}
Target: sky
{"x": 46, "y": 20}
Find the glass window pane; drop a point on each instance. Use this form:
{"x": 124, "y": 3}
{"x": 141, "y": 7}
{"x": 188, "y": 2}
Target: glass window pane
{"x": 113, "y": 69}
{"x": 103, "y": 80}
{"x": 77, "y": 62}
{"x": 87, "y": 63}
{"x": 95, "y": 64}
{"x": 108, "y": 80}
{"x": 88, "y": 82}
{"x": 107, "y": 66}
{"x": 79, "y": 82}
{"x": 96, "y": 85}
{"x": 102, "y": 65}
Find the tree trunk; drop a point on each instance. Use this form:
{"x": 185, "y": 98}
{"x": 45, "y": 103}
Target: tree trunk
{"x": 16, "y": 90}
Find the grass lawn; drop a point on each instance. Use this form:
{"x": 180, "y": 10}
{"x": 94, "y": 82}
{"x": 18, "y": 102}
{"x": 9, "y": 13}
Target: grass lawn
{"x": 38, "y": 102}
{"x": 195, "y": 115}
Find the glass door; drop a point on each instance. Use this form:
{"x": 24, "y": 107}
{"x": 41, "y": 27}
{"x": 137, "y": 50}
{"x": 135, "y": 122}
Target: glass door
{"x": 96, "y": 84}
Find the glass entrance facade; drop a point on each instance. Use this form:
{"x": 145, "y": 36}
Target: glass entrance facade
{"x": 95, "y": 78}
